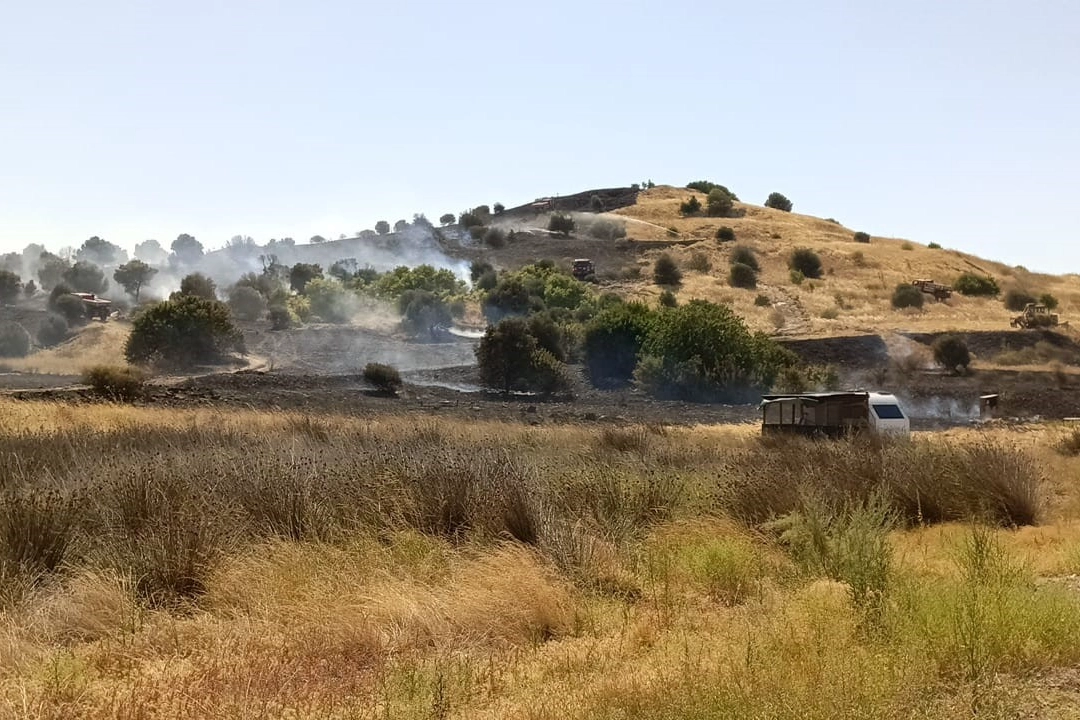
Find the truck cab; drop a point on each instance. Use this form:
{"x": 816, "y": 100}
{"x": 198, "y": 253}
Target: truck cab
{"x": 886, "y": 416}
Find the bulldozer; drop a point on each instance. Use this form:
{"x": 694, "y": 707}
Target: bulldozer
{"x": 1035, "y": 315}
{"x": 94, "y": 306}
{"x": 583, "y": 269}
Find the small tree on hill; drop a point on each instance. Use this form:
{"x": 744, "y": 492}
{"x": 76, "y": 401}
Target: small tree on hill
{"x": 133, "y": 275}
{"x": 720, "y": 203}
{"x": 1016, "y": 299}
{"x": 951, "y": 352}
{"x": 725, "y": 234}
{"x": 776, "y": 201}
{"x": 185, "y": 331}
{"x": 1046, "y": 299}
{"x": 498, "y": 208}
{"x": 562, "y": 224}
{"x": 666, "y": 272}
{"x": 692, "y": 206}
{"x": 52, "y": 331}
{"x": 744, "y": 255}
{"x": 805, "y": 261}
{"x": 861, "y": 237}
{"x": 51, "y": 270}
{"x": 10, "y": 287}
{"x": 422, "y": 312}
{"x": 401, "y": 226}
{"x": 382, "y": 227}
{"x": 198, "y": 285}
{"x": 447, "y": 219}
{"x": 613, "y": 341}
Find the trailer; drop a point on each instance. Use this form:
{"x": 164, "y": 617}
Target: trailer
{"x": 833, "y": 414}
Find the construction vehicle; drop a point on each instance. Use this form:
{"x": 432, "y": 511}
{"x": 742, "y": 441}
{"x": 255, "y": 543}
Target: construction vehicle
{"x": 583, "y": 269}
{"x": 1035, "y": 315}
{"x": 833, "y": 414}
{"x": 94, "y": 306}
{"x": 939, "y": 291}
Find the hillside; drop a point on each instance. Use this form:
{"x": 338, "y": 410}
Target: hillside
{"x": 852, "y": 297}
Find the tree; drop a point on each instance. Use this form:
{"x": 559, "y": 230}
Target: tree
{"x": 10, "y": 287}
{"x": 382, "y": 227}
{"x": 14, "y": 340}
{"x": 12, "y": 262}
{"x": 198, "y": 285}
{"x": 613, "y": 340}
{"x": 743, "y": 276}
{"x": 422, "y": 312}
{"x": 477, "y": 269}
{"x": 151, "y": 253}
{"x": 509, "y": 297}
{"x": 184, "y": 331}
{"x": 447, "y": 219}
{"x": 1046, "y": 299}
{"x": 86, "y": 277}
{"x": 776, "y": 201}
{"x": 101, "y": 252}
{"x": 596, "y": 204}
{"x": 692, "y": 206}
{"x": 401, "y": 226}
{"x": 51, "y": 270}
{"x": 498, "y": 208}
{"x": 720, "y": 203}
{"x": 343, "y": 269}
{"x": 186, "y": 250}
{"x": 494, "y": 238}
{"x": 666, "y": 272}
{"x": 746, "y": 256}
{"x": 317, "y": 239}
{"x": 509, "y": 358}
{"x": 951, "y": 352}
{"x": 805, "y": 261}
{"x": 469, "y": 220}
{"x": 562, "y": 224}
{"x": 133, "y": 275}
{"x": 70, "y": 307}
{"x": 246, "y": 303}
{"x": 303, "y": 273}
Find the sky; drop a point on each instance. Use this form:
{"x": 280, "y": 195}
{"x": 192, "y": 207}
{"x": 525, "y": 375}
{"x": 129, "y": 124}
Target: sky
{"x": 952, "y": 122}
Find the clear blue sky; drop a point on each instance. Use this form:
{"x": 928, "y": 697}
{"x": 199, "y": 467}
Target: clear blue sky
{"x": 956, "y": 122}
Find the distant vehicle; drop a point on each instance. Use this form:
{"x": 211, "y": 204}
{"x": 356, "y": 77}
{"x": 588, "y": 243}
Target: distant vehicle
{"x": 939, "y": 291}
{"x": 1035, "y": 315}
{"x": 583, "y": 269}
{"x": 833, "y": 414}
{"x": 94, "y": 306}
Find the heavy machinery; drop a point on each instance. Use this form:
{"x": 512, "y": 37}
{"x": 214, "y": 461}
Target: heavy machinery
{"x": 583, "y": 269}
{"x": 1035, "y": 315}
{"x": 939, "y": 291}
{"x": 95, "y": 307}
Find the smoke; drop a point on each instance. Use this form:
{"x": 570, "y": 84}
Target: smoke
{"x": 946, "y": 409}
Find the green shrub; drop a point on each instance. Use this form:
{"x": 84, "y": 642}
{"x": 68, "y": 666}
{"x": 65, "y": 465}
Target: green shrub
{"x": 762, "y": 301}
{"x": 117, "y": 383}
{"x": 933, "y": 246}
{"x": 509, "y": 358}
{"x": 906, "y": 246}
{"x": 246, "y": 303}
{"x": 667, "y": 299}
{"x": 976, "y": 285}
{"x": 746, "y": 256}
{"x": 469, "y": 220}
{"x": 797, "y": 277}
{"x": 1049, "y": 301}
{"x": 509, "y": 297}
{"x": 719, "y": 203}
{"x": 725, "y": 234}
{"x": 861, "y": 237}
{"x": 951, "y": 352}
{"x": 477, "y": 268}
{"x": 384, "y": 377}
{"x": 198, "y": 285}
{"x": 549, "y": 335}
{"x": 53, "y": 331}
{"x": 495, "y": 238}
{"x": 666, "y": 272}
{"x": 301, "y": 274}
{"x": 805, "y": 261}
{"x": 776, "y": 201}
{"x": 613, "y": 341}
{"x": 183, "y": 332}
{"x": 1016, "y": 299}
{"x": 906, "y": 295}
{"x": 14, "y": 340}
{"x": 691, "y": 206}
{"x": 699, "y": 262}
{"x": 562, "y": 224}
{"x": 71, "y": 308}
{"x": 743, "y": 276}
{"x": 447, "y": 219}
{"x": 330, "y": 301}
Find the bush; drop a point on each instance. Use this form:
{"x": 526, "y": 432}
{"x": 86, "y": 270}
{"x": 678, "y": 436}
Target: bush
{"x": 951, "y": 352}
{"x": 183, "y": 332}
{"x": 699, "y": 262}
{"x": 330, "y": 301}
{"x": 606, "y": 229}
{"x": 703, "y": 352}
{"x": 746, "y": 256}
{"x": 933, "y": 246}
{"x": 71, "y": 308}
{"x": 719, "y": 203}
{"x": 562, "y": 224}
{"x": 549, "y": 335}
{"x": 280, "y": 318}
{"x": 666, "y": 272}
{"x": 805, "y": 261}
{"x": 976, "y": 285}
{"x": 508, "y": 297}
{"x": 10, "y": 287}
{"x": 725, "y": 234}
{"x": 14, "y": 340}
{"x": 861, "y": 237}
{"x": 743, "y": 276}
{"x": 776, "y": 201}
{"x": 477, "y": 268}
{"x": 691, "y": 206}
{"x": 668, "y": 299}
{"x": 495, "y": 238}
{"x": 301, "y": 274}
{"x": 797, "y": 277}
{"x": 1049, "y": 301}
{"x": 118, "y": 383}
{"x": 86, "y": 277}
{"x": 384, "y": 377}
{"x": 613, "y": 340}
{"x": 198, "y": 285}
{"x": 422, "y": 312}
{"x": 1016, "y": 299}
{"x": 53, "y": 331}
{"x": 509, "y": 358}
{"x": 762, "y": 301}
{"x": 906, "y": 295}
{"x": 246, "y": 303}
{"x": 447, "y": 219}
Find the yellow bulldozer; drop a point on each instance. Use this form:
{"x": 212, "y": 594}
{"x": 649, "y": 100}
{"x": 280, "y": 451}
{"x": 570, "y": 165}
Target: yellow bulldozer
{"x": 1035, "y": 315}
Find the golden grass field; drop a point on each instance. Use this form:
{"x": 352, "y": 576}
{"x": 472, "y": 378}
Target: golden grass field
{"x": 859, "y": 277}
{"x": 196, "y": 564}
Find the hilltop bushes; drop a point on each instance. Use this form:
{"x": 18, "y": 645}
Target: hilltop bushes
{"x": 777, "y": 201}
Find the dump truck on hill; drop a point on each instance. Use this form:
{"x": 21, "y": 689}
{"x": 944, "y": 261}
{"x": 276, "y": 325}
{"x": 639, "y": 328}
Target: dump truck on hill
{"x": 833, "y": 414}
{"x": 939, "y": 291}
{"x": 94, "y": 306}
{"x": 1035, "y": 315}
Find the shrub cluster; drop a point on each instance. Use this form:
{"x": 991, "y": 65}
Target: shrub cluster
{"x": 744, "y": 268}
{"x": 116, "y": 383}
{"x": 976, "y": 285}
{"x": 907, "y": 295}
{"x": 691, "y": 206}
{"x": 509, "y": 357}
{"x": 951, "y": 352}
{"x": 185, "y": 331}
{"x": 384, "y": 377}
{"x": 666, "y": 272}
{"x": 725, "y": 234}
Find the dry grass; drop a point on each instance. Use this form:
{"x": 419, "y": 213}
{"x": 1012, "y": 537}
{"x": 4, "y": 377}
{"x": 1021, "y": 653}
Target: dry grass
{"x": 863, "y": 274}
{"x": 273, "y": 565}
{"x": 96, "y": 344}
